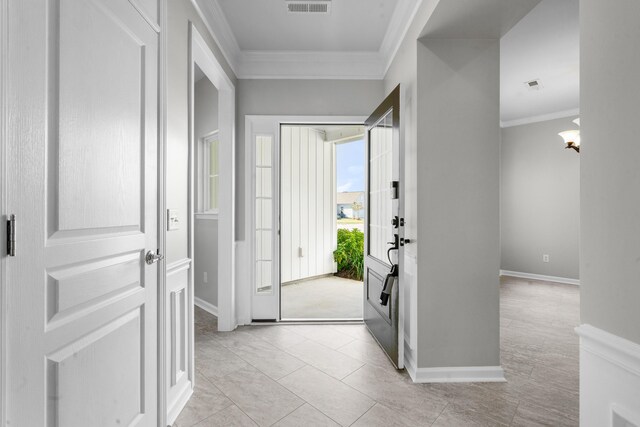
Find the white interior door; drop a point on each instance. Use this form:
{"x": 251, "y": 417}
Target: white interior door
{"x": 82, "y": 153}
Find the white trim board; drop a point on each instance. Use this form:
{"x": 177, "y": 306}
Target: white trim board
{"x": 540, "y": 118}
{"x": 179, "y": 404}
{"x": 4, "y": 32}
{"x": 178, "y": 266}
{"x": 531, "y": 276}
{"x": 622, "y": 352}
{"x": 206, "y": 306}
{"x": 370, "y": 65}
{"x": 201, "y": 54}
{"x": 251, "y": 304}
{"x": 464, "y": 374}
{"x": 609, "y": 379}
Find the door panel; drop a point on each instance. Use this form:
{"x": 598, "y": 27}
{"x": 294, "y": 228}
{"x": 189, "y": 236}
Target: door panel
{"x": 82, "y": 150}
{"x": 105, "y": 371}
{"x": 382, "y": 204}
{"x": 96, "y": 123}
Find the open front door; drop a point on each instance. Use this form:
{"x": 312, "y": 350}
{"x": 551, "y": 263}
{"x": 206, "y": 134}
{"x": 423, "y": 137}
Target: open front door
{"x": 383, "y": 220}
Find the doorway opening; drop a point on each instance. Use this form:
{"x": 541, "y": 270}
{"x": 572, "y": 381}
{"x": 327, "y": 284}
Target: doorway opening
{"x": 205, "y": 136}
{"x": 322, "y": 196}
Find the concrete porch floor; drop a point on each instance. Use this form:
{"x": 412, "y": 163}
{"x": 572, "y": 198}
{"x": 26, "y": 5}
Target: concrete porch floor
{"x": 323, "y": 298}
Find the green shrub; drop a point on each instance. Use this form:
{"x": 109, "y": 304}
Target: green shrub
{"x": 350, "y": 253}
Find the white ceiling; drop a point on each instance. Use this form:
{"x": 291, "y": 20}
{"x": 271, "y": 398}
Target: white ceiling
{"x": 544, "y": 45}
{"x": 260, "y": 39}
{"x": 352, "y": 25}
{"x": 359, "y": 38}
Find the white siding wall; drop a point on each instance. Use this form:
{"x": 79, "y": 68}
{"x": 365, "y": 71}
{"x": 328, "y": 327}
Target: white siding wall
{"x": 308, "y": 223}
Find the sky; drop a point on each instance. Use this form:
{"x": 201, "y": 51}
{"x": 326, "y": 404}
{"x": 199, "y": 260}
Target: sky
{"x": 350, "y": 166}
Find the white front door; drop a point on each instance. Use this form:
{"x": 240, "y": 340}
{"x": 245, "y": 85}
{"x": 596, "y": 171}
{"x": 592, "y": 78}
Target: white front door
{"x": 82, "y": 153}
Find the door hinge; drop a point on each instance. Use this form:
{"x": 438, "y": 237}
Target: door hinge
{"x": 11, "y": 235}
{"x": 395, "y": 190}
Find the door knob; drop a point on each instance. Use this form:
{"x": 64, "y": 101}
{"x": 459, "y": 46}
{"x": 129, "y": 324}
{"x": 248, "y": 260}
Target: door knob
{"x": 152, "y": 258}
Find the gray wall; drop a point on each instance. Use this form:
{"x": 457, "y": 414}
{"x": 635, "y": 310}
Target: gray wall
{"x": 610, "y": 166}
{"x": 179, "y": 13}
{"x": 206, "y": 260}
{"x": 297, "y": 98}
{"x": 206, "y": 230}
{"x": 205, "y": 119}
{"x": 540, "y": 200}
{"x": 458, "y": 202}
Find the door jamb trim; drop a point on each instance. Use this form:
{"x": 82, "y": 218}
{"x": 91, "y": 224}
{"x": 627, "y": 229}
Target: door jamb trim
{"x": 245, "y": 296}
{"x": 162, "y": 214}
{"x": 4, "y": 21}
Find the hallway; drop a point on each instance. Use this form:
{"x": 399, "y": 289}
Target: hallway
{"x": 330, "y": 375}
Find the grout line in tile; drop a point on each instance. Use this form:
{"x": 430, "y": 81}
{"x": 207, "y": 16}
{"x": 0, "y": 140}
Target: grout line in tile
{"x": 307, "y": 402}
{"x": 515, "y": 413}
{"x": 298, "y": 407}
{"x": 241, "y": 410}
{"x": 353, "y": 389}
{"x": 365, "y": 413}
{"x": 440, "y": 414}
{"x": 342, "y": 380}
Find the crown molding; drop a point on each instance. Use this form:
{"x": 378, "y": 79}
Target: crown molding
{"x": 401, "y": 20}
{"x": 213, "y": 17}
{"x": 541, "y": 118}
{"x": 307, "y": 64}
{"x": 310, "y": 65}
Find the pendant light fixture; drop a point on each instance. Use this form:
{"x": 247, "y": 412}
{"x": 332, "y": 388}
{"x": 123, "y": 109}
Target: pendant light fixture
{"x": 572, "y": 137}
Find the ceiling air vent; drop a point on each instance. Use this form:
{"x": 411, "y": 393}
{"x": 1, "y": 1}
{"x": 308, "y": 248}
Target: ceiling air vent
{"x": 533, "y": 84}
{"x": 317, "y": 7}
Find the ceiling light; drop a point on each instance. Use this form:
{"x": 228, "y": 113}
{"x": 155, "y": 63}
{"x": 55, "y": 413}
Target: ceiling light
{"x": 572, "y": 137}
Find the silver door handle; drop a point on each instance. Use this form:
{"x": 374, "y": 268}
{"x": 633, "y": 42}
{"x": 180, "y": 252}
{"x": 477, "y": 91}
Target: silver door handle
{"x": 152, "y": 258}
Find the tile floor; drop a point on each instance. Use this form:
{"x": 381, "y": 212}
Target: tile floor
{"x": 335, "y": 375}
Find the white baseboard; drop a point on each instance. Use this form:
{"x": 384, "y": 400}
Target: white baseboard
{"x": 179, "y": 403}
{"x": 465, "y": 374}
{"x": 609, "y": 379}
{"x": 206, "y": 306}
{"x": 409, "y": 361}
{"x": 532, "y": 276}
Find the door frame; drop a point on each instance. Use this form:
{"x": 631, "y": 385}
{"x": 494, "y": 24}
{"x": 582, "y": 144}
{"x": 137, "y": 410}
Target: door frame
{"x": 246, "y": 293}
{"x": 201, "y": 53}
{"x": 4, "y": 9}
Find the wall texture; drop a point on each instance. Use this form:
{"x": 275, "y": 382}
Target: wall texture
{"x": 297, "y": 98}
{"x": 179, "y": 14}
{"x": 540, "y": 200}
{"x": 609, "y": 166}
{"x": 206, "y": 230}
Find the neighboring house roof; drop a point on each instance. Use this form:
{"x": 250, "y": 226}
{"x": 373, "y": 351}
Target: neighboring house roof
{"x": 349, "y": 197}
